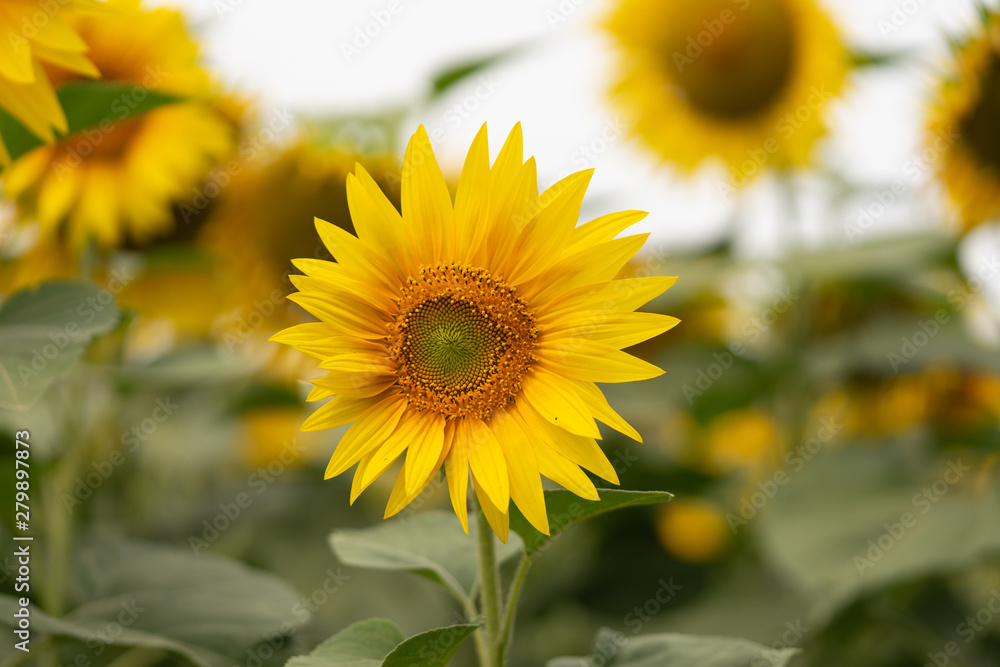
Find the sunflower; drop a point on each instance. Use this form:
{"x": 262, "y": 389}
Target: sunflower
{"x": 35, "y": 36}
{"x": 963, "y": 131}
{"x": 119, "y": 180}
{"x": 270, "y": 206}
{"x": 743, "y": 81}
{"x": 471, "y": 335}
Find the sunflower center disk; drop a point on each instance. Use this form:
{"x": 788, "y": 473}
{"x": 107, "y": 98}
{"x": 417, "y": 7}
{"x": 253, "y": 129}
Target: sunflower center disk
{"x": 451, "y": 344}
{"x": 462, "y": 341}
{"x": 979, "y": 127}
{"x": 729, "y": 62}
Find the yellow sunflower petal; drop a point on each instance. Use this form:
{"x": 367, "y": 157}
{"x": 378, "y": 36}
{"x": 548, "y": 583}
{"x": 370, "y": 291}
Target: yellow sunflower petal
{"x": 427, "y": 209}
{"x": 499, "y": 520}
{"x": 457, "y": 471}
{"x": 525, "y": 480}
{"x": 366, "y": 434}
{"x": 559, "y": 403}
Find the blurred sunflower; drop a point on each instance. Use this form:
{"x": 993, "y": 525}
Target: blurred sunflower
{"x": 746, "y": 439}
{"x": 119, "y": 180}
{"x": 270, "y": 207}
{"x": 29, "y": 43}
{"x": 963, "y": 129}
{"x": 744, "y": 81}
{"x": 693, "y": 529}
{"x": 471, "y": 335}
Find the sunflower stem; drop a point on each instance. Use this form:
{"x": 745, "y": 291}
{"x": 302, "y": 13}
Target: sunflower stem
{"x": 489, "y": 576}
{"x": 510, "y": 611}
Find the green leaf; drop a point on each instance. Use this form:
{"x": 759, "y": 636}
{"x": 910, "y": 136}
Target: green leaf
{"x": 449, "y": 77}
{"x": 861, "y": 518}
{"x": 613, "y": 649}
{"x": 566, "y": 508}
{"x": 873, "y": 59}
{"x": 87, "y": 105}
{"x": 363, "y": 644}
{"x": 431, "y": 544}
{"x": 377, "y": 642}
{"x": 434, "y": 648}
{"x": 96, "y": 633}
{"x": 45, "y": 332}
{"x": 211, "y": 604}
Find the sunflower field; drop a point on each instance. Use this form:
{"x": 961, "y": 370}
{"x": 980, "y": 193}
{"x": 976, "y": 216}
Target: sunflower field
{"x": 562, "y": 333}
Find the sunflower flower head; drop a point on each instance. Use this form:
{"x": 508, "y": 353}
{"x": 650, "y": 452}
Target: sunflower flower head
{"x": 470, "y": 335}
{"x": 963, "y": 128}
{"x": 36, "y": 37}
{"x": 118, "y": 182}
{"x": 743, "y": 81}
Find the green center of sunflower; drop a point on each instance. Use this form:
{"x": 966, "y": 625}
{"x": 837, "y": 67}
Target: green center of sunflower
{"x": 979, "y": 128}
{"x": 452, "y": 344}
{"x": 462, "y": 341}
{"x": 731, "y": 62}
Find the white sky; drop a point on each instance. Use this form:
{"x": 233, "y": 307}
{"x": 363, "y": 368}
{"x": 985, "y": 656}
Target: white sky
{"x": 290, "y": 53}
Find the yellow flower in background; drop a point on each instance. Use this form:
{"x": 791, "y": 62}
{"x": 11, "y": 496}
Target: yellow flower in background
{"x": 746, "y": 81}
{"x": 118, "y": 181}
{"x": 269, "y": 206}
{"x": 963, "y": 131}
{"x": 693, "y": 529}
{"x": 744, "y": 439}
{"x": 35, "y": 35}
{"x": 471, "y": 334}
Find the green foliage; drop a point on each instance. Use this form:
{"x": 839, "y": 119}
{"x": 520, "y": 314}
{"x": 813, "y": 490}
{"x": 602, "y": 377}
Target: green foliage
{"x": 565, "y": 509}
{"x": 613, "y": 649}
{"x": 206, "y": 609}
{"x": 363, "y": 644}
{"x": 453, "y": 75}
{"x": 434, "y": 648}
{"x": 45, "y": 332}
{"x": 430, "y": 544}
{"x": 378, "y": 642}
{"x": 861, "y": 519}
{"x": 87, "y": 105}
